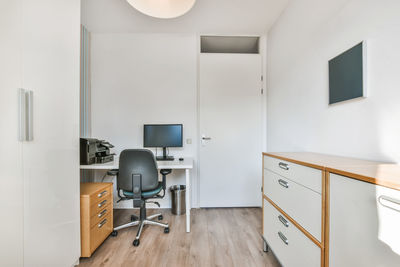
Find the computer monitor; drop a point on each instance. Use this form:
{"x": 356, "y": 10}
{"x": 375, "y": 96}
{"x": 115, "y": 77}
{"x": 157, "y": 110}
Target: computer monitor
{"x": 163, "y": 135}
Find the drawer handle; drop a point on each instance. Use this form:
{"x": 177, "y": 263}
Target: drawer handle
{"x": 101, "y": 204}
{"x": 102, "y": 223}
{"x": 284, "y": 239}
{"x": 283, "y": 183}
{"x": 283, "y": 221}
{"x": 102, "y": 194}
{"x": 283, "y": 166}
{"x": 390, "y": 203}
{"x": 101, "y": 214}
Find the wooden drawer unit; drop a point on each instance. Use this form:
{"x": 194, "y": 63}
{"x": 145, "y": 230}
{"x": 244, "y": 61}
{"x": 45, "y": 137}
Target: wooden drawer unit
{"x": 299, "y": 202}
{"x": 289, "y": 244}
{"x": 96, "y": 215}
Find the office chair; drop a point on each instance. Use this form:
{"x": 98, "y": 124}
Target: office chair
{"x": 137, "y": 179}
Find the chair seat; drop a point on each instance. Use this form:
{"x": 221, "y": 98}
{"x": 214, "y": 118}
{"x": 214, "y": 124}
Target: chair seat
{"x": 146, "y": 194}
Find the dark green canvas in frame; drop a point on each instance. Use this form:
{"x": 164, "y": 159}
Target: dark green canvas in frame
{"x": 346, "y": 75}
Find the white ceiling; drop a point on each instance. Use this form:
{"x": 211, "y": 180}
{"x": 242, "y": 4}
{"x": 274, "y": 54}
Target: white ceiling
{"x": 206, "y": 17}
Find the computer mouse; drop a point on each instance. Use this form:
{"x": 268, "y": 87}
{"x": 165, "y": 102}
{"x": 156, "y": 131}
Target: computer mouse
{"x": 181, "y": 159}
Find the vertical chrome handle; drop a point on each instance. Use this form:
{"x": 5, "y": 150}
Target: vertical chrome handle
{"x": 283, "y": 221}
{"x": 102, "y": 223}
{"x": 283, "y": 183}
{"x": 284, "y": 239}
{"x": 29, "y": 115}
{"x": 284, "y": 166}
{"x": 22, "y": 115}
{"x": 102, "y": 194}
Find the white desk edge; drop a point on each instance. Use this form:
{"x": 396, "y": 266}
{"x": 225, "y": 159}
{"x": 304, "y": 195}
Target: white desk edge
{"x": 186, "y": 165}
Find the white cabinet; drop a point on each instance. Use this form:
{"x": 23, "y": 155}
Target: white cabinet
{"x": 364, "y": 224}
{"x": 289, "y": 244}
{"x": 301, "y": 203}
{"x": 292, "y": 212}
{"x": 40, "y": 178}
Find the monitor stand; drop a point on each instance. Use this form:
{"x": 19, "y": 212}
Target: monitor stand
{"x": 164, "y": 157}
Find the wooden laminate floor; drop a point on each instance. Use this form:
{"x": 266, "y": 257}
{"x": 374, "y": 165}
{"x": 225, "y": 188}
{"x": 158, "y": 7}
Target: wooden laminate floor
{"x": 219, "y": 237}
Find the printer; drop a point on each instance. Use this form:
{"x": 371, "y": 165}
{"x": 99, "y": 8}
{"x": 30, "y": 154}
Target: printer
{"x": 95, "y": 151}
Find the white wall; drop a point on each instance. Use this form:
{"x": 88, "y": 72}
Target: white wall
{"x": 145, "y": 78}
{"x": 307, "y": 35}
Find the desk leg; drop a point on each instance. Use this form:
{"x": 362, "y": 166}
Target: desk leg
{"x": 188, "y": 188}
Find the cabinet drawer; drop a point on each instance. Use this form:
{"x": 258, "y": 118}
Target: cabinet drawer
{"x": 299, "y": 202}
{"x": 101, "y": 194}
{"x": 97, "y": 207}
{"x": 306, "y": 176}
{"x": 289, "y": 244}
{"x": 98, "y": 217}
{"x": 100, "y": 231}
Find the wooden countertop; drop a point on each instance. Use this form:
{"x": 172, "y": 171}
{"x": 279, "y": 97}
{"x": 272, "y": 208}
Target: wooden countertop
{"x": 380, "y": 173}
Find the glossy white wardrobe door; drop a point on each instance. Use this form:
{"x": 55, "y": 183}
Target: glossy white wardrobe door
{"x": 364, "y": 224}
{"x": 51, "y": 54}
{"x": 11, "y": 183}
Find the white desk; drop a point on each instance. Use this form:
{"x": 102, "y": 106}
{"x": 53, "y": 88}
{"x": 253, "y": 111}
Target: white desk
{"x": 186, "y": 164}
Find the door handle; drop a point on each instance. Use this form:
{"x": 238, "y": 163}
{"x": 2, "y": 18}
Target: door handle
{"x": 284, "y": 166}
{"x": 283, "y": 237}
{"x": 25, "y": 116}
{"x": 390, "y": 203}
{"x": 283, "y": 221}
{"x": 102, "y": 194}
{"x": 283, "y": 183}
{"x": 22, "y": 114}
{"x": 102, "y": 223}
{"x": 101, "y": 204}
{"x": 206, "y": 138}
{"x": 29, "y": 115}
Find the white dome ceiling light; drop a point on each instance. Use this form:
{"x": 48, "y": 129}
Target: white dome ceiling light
{"x": 164, "y": 9}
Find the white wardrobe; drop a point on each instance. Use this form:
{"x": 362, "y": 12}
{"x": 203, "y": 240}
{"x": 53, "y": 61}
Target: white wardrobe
{"x": 39, "y": 180}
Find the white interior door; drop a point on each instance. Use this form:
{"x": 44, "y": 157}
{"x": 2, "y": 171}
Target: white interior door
{"x": 231, "y": 130}
{"x": 50, "y": 68}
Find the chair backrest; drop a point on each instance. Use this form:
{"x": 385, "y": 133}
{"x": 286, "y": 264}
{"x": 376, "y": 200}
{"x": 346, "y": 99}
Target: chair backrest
{"x": 137, "y": 161}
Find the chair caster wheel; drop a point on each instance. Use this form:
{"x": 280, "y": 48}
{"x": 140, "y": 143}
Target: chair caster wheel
{"x": 136, "y": 242}
{"x": 166, "y": 230}
{"x": 114, "y": 233}
{"x": 160, "y": 218}
{"x": 134, "y": 218}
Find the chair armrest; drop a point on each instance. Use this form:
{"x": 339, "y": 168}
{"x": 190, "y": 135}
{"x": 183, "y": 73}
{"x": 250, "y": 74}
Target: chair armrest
{"x": 113, "y": 172}
{"x": 137, "y": 190}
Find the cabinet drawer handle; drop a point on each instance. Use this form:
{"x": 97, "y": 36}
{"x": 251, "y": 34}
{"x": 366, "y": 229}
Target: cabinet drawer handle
{"x": 101, "y": 204}
{"x": 390, "y": 203}
{"x": 283, "y": 221}
{"x": 283, "y": 183}
{"x": 103, "y": 222}
{"x": 284, "y": 239}
{"x": 101, "y": 214}
{"x": 102, "y": 194}
{"x": 283, "y": 166}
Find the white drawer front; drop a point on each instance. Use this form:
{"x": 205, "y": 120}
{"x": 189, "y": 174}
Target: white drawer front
{"x": 364, "y": 224}
{"x": 309, "y": 177}
{"x": 299, "y": 250}
{"x": 299, "y": 202}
